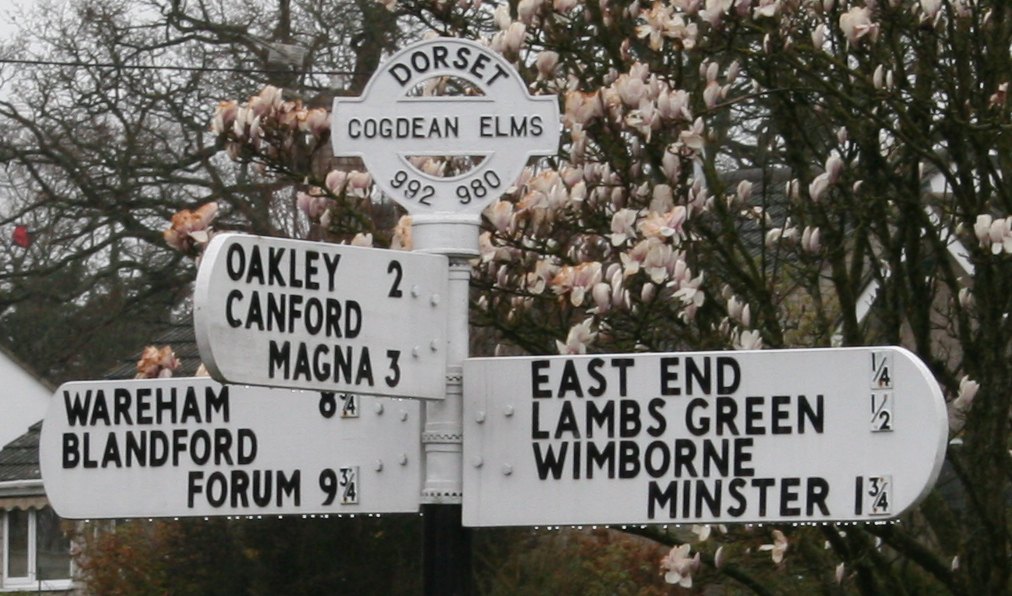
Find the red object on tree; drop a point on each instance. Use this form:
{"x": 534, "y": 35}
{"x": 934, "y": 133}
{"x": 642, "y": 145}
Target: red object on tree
{"x": 21, "y": 236}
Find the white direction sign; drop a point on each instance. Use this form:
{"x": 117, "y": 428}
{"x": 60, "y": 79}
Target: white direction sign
{"x": 850, "y": 434}
{"x": 499, "y": 129}
{"x": 327, "y": 317}
{"x": 192, "y": 447}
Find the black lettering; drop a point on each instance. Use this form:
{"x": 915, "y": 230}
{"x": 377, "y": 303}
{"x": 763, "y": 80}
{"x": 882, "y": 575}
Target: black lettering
{"x": 727, "y": 410}
{"x": 815, "y": 417}
{"x": 734, "y": 489}
{"x": 622, "y": 364}
{"x": 536, "y": 431}
{"x": 654, "y": 408}
{"x": 697, "y": 426}
{"x": 781, "y": 414}
{"x": 700, "y": 376}
{"x": 255, "y": 271}
{"x": 763, "y": 484}
{"x": 754, "y": 415}
{"x": 277, "y": 358}
{"x": 600, "y": 415}
{"x": 594, "y": 370}
{"x": 567, "y": 421}
{"x": 70, "y": 450}
{"x": 551, "y": 462}
{"x": 789, "y": 497}
{"x": 601, "y": 458}
{"x": 400, "y": 73}
{"x": 816, "y": 494}
{"x": 77, "y": 410}
{"x": 570, "y": 380}
{"x": 628, "y": 459}
{"x": 728, "y": 375}
{"x": 538, "y": 377}
{"x": 661, "y": 498}
{"x": 669, "y": 376}
{"x": 629, "y": 418}
{"x": 235, "y": 261}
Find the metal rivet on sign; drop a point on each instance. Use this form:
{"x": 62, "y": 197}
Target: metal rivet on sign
{"x": 477, "y": 461}
{"x": 415, "y": 291}
{"x": 414, "y": 352}
{"x": 434, "y": 300}
{"x": 507, "y": 469}
{"x": 508, "y": 410}
{"x": 480, "y": 417}
{"x": 404, "y": 459}
{"x": 404, "y": 415}
{"x": 379, "y": 409}
{"x": 434, "y": 345}
{"x": 379, "y": 465}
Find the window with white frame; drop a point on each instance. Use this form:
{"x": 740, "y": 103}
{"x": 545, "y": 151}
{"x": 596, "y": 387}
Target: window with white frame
{"x": 36, "y": 552}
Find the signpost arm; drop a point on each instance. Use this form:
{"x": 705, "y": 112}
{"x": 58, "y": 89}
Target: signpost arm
{"x": 447, "y": 544}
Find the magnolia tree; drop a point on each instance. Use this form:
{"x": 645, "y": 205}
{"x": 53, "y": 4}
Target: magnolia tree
{"x": 740, "y": 175}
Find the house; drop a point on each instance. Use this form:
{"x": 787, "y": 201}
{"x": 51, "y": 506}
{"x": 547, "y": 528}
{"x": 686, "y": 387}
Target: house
{"x": 34, "y": 548}
{"x": 34, "y": 552}
{"x": 25, "y": 398}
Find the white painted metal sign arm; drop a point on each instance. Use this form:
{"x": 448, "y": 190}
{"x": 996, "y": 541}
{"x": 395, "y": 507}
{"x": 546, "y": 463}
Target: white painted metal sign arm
{"x": 846, "y": 434}
{"x": 192, "y": 447}
{"x": 311, "y": 315}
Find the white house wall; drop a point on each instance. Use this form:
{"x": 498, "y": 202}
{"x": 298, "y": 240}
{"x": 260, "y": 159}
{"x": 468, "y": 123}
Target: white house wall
{"x": 23, "y": 398}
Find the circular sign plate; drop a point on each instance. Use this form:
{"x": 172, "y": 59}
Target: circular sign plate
{"x": 496, "y": 131}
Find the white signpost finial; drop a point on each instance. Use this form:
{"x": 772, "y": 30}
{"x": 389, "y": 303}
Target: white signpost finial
{"x": 499, "y": 128}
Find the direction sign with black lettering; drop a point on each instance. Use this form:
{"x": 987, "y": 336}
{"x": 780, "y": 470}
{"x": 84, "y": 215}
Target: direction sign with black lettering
{"x": 192, "y": 447}
{"x": 325, "y": 317}
{"x": 848, "y": 434}
{"x": 496, "y": 127}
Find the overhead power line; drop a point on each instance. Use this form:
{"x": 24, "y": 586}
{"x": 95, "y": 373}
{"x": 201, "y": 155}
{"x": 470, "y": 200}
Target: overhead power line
{"x": 82, "y": 64}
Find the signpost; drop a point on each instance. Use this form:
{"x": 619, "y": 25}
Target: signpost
{"x": 847, "y": 434}
{"x": 192, "y": 447}
{"x": 310, "y": 315}
{"x": 854, "y": 434}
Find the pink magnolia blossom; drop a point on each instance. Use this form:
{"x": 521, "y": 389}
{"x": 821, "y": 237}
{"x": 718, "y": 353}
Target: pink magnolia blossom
{"x": 402, "y": 239}
{"x": 692, "y": 137}
{"x": 157, "y": 363}
{"x": 364, "y": 240}
{"x": 224, "y": 116}
{"x": 576, "y": 281}
{"x": 749, "y": 340}
{"x": 623, "y": 226}
{"x": 678, "y": 567}
{"x": 579, "y": 338}
{"x": 668, "y": 225}
{"x": 527, "y": 10}
{"x": 336, "y": 180}
{"x": 313, "y": 204}
{"x": 778, "y": 547}
{"x": 500, "y": 215}
{"x": 546, "y": 63}
{"x": 856, "y": 24}
{"x": 959, "y": 407}
{"x": 660, "y": 262}
{"x": 315, "y": 122}
{"x": 190, "y": 229}
{"x": 359, "y": 183}
{"x": 537, "y": 280}
{"x": 811, "y": 240}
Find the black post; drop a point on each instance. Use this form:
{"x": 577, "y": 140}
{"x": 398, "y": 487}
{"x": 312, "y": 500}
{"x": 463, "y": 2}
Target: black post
{"x": 446, "y": 554}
